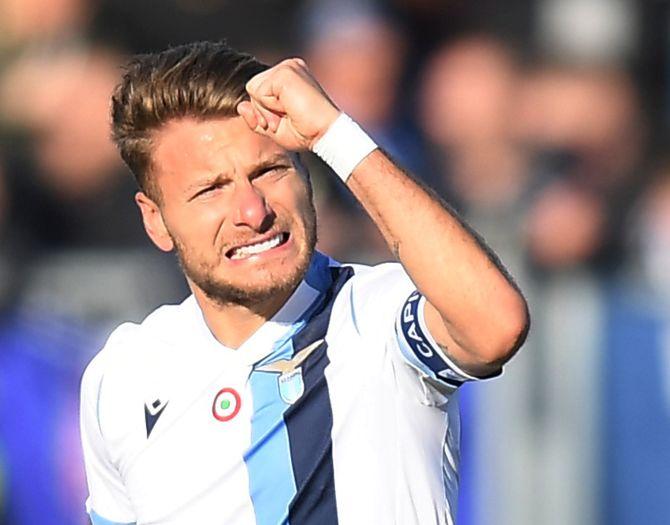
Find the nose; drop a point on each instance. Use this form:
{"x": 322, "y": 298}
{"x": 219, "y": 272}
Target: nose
{"x": 251, "y": 208}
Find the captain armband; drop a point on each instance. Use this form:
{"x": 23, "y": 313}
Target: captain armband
{"x": 421, "y": 350}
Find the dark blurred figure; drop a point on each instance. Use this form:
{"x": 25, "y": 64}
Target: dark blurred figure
{"x": 74, "y": 228}
{"x": 468, "y": 101}
{"x": 469, "y": 97}
{"x": 66, "y": 164}
{"x": 587, "y": 129}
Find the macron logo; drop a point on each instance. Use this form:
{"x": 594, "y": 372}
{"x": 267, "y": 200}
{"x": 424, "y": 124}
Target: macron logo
{"x": 152, "y": 412}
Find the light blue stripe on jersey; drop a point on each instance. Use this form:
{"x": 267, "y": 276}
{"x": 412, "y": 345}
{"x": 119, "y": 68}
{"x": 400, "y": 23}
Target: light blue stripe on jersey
{"x": 269, "y": 459}
{"x": 96, "y": 519}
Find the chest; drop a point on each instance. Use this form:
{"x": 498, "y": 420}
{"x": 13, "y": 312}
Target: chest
{"x": 238, "y": 439}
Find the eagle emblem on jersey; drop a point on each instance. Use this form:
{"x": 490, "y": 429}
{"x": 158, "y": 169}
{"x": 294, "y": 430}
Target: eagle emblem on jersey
{"x": 290, "y": 381}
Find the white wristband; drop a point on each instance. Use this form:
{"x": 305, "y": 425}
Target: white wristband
{"x": 344, "y": 146}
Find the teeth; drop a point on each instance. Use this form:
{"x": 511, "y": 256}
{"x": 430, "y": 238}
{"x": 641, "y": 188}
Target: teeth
{"x": 253, "y": 249}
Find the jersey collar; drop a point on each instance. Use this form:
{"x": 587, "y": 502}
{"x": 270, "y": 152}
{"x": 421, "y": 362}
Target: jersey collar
{"x": 264, "y": 340}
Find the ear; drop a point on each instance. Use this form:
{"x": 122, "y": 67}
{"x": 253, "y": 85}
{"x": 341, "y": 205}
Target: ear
{"x": 153, "y": 222}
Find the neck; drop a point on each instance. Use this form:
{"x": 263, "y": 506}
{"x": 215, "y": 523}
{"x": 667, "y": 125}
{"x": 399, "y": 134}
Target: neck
{"x": 233, "y": 324}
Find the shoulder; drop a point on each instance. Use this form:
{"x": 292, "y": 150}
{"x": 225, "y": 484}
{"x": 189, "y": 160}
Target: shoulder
{"x": 132, "y": 346}
{"x": 115, "y": 350}
{"x": 386, "y": 281}
{"x": 373, "y": 295}
{"x": 371, "y": 273}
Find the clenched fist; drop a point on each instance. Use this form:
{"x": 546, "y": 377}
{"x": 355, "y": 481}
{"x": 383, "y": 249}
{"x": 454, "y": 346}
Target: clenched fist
{"x": 288, "y": 105}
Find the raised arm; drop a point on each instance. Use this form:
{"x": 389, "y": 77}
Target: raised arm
{"x": 473, "y": 309}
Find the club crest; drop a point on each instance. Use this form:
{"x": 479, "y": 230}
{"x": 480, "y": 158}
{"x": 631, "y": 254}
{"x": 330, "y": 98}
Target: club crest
{"x": 291, "y": 386}
{"x": 290, "y": 381}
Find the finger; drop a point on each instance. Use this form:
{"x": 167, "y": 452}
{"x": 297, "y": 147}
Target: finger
{"x": 271, "y": 82}
{"x": 299, "y": 62}
{"x": 272, "y": 103}
{"x": 273, "y": 122}
{"x": 271, "y": 118}
{"x": 258, "y": 113}
{"x": 246, "y": 111}
{"x": 253, "y": 84}
{"x": 250, "y": 115}
{"x": 293, "y": 61}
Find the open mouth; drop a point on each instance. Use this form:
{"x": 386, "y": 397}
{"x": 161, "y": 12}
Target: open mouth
{"x": 242, "y": 252}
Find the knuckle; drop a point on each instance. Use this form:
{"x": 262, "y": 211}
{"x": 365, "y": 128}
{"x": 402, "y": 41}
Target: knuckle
{"x": 288, "y": 66}
{"x": 285, "y": 72}
{"x": 252, "y": 85}
{"x": 284, "y": 64}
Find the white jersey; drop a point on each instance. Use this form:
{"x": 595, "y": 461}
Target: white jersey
{"x": 339, "y": 410}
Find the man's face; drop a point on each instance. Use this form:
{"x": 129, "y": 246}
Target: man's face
{"x": 237, "y": 211}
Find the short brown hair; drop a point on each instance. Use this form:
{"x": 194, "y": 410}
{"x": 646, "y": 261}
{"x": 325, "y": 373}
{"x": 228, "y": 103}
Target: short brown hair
{"x": 201, "y": 80}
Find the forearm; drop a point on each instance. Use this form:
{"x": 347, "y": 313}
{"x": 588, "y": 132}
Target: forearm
{"x": 473, "y": 309}
{"x": 480, "y": 306}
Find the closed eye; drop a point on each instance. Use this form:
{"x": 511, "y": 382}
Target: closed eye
{"x": 269, "y": 170}
{"x": 262, "y": 171}
{"x": 209, "y": 189}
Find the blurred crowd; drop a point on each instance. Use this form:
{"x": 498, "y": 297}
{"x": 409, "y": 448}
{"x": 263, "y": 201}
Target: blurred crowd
{"x": 544, "y": 123}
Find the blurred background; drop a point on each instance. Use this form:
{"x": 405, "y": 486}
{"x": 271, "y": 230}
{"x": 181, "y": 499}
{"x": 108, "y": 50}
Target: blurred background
{"x": 543, "y": 122}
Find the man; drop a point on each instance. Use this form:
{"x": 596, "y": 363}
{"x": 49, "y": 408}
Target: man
{"x": 288, "y": 388}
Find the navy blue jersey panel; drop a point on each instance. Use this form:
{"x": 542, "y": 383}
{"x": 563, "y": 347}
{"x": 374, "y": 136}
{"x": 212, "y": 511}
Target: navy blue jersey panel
{"x": 310, "y": 420}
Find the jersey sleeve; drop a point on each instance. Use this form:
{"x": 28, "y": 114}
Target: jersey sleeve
{"x": 384, "y": 299}
{"x": 107, "y": 503}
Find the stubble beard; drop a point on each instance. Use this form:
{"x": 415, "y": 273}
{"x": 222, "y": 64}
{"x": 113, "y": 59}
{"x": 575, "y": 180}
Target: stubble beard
{"x": 225, "y": 293}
